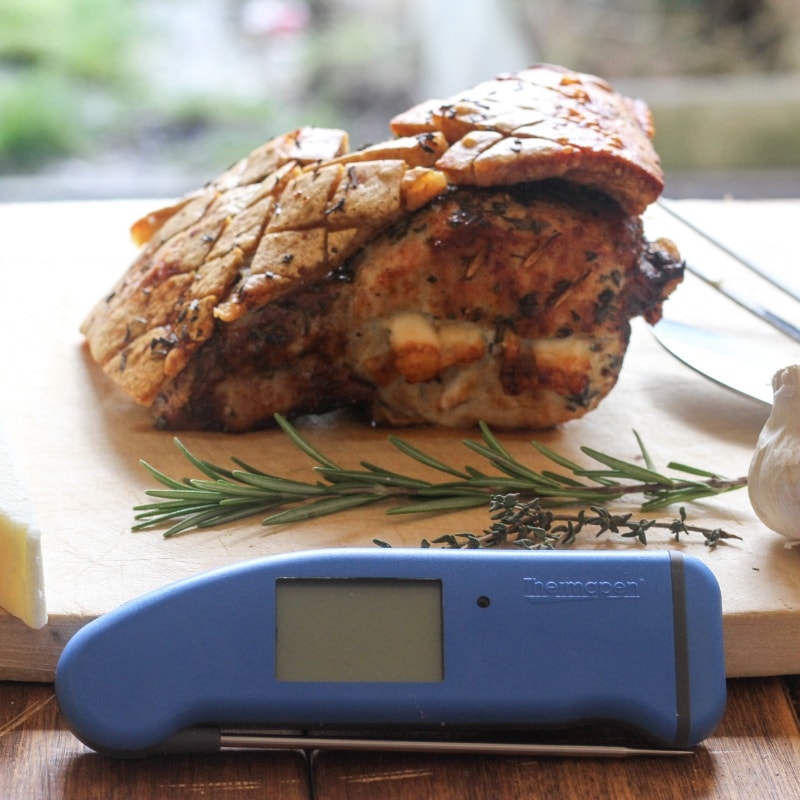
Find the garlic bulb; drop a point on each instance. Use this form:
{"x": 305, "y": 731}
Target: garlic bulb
{"x": 773, "y": 481}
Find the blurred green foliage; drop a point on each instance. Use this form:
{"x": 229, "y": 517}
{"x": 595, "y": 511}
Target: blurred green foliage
{"x": 97, "y": 78}
{"x": 63, "y": 64}
{"x": 85, "y": 39}
{"x": 39, "y": 118}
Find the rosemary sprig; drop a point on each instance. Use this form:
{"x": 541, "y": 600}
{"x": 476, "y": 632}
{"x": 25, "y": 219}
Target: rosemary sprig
{"x": 225, "y": 495}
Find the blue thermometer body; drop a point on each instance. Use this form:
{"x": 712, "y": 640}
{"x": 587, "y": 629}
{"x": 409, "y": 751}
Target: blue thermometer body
{"x": 408, "y": 639}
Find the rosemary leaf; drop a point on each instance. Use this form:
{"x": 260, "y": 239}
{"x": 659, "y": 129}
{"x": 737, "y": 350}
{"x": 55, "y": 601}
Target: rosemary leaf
{"x": 163, "y": 479}
{"x": 455, "y": 503}
{"x": 200, "y": 517}
{"x": 679, "y": 496}
{"x": 226, "y": 488}
{"x": 625, "y": 469}
{"x": 282, "y": 486}
{"x": 187, "y": 493}
{"x": 493, "y": 442}
{"x": 425, "y": 458}
{"x": 504, "y": 462}
{"x": 557, "y": 458}
{"x": 245, "y": 467}
{"x": 645, "y": 455}
{"x": 211, "y": 470}
{"x": 373, "y": 477}
{"x": 210, "y": 519}
{"x": 576, "y": 469}
{"x": 703, "y": 473}
{"x": 320, "y": 508}
{"x": 563, "y": 480}
{"x": 302, "y": 444}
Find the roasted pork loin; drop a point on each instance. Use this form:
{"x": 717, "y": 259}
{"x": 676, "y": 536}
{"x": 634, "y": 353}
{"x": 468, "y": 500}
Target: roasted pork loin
{"x": 484, "y": 264}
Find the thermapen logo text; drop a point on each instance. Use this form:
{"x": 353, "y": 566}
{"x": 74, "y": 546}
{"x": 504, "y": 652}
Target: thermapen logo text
{"x": 539, "y": 591}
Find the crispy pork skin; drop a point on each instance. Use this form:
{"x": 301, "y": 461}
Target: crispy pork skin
{"x": 545, "y": 122}
{"x": 484, "y": 264}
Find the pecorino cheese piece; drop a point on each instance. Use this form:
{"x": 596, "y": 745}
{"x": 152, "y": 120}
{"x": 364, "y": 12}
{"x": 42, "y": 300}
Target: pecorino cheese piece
{"x": 21, "y": 573}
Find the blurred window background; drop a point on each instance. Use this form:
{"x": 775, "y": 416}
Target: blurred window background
{"x": 146, "y": 98}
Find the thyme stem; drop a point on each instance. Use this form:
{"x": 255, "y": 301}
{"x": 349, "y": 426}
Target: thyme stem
{"x": 530, "y": 526}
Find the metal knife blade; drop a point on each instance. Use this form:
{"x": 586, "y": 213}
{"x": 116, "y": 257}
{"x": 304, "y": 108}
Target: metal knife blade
{"x": 748, "y": 304}
{"x": 727, "y": 359}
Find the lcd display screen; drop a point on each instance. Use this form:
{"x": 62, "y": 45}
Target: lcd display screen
{"x": 361, "y": 630}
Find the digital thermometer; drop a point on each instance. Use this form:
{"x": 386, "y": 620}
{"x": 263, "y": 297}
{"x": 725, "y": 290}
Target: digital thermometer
{"x": 414, "y": 640}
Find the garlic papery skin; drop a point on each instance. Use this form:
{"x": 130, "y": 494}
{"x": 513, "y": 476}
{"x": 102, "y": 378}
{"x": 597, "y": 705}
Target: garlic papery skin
{"x": 773, "y": 480}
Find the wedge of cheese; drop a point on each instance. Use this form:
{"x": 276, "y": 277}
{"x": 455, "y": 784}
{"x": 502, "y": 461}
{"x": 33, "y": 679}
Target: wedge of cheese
{"x": 21, "y": 573}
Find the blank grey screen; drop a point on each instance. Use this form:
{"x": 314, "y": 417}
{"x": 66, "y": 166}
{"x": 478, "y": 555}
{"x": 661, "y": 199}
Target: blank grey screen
{"x": 364, "y": 630}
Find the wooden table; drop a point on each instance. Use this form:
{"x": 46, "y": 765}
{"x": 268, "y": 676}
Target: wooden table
{"x": 755, "y": 753}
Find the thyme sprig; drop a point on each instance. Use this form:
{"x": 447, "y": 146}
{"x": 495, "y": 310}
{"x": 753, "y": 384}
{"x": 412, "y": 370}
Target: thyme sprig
{"x": 528, "y": 525}
{"x": 226, "y": 495}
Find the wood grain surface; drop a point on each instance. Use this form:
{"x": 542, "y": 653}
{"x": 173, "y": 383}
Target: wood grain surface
{"x": 40, "y": 759}
{"x": 754, "y": 754}
{"x": 79, "y": 441}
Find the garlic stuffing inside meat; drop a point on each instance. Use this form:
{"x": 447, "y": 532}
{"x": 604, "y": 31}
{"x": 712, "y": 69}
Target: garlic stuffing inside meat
{"x": 773, "y": 480}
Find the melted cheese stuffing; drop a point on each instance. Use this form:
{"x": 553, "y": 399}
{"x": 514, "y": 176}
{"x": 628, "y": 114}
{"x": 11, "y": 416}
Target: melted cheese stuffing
{"x": 422, "y": 349}
{"x": 21, "y": 574}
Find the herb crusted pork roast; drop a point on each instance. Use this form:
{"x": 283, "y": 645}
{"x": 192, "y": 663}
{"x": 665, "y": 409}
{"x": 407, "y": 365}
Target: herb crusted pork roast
{"x": 483, "y": 264}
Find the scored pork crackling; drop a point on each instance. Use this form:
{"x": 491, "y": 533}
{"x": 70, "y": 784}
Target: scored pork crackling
{"x": 482, "y": 264}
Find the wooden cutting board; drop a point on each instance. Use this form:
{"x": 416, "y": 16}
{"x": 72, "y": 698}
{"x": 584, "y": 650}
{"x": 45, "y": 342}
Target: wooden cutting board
{"x": 79, "y": 441}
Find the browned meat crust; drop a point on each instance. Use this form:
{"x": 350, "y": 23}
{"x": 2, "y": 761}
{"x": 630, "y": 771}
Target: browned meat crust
{"x": 483, "y": 265}
{"x": 461, "y": 337}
